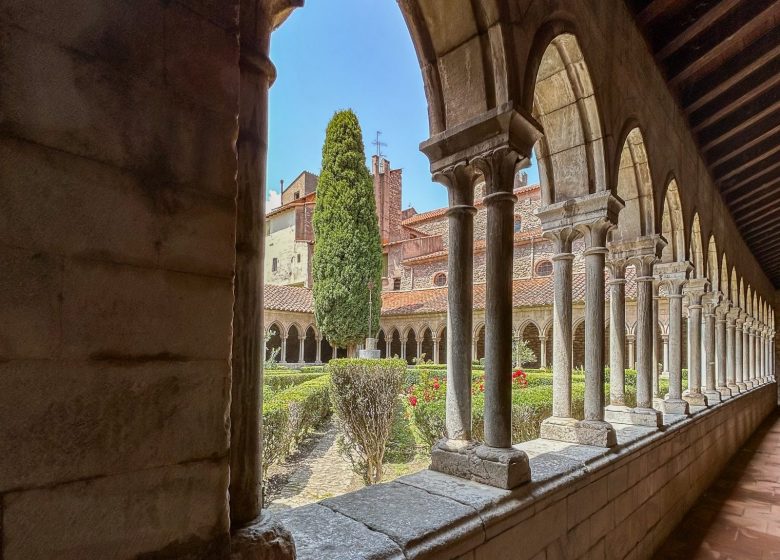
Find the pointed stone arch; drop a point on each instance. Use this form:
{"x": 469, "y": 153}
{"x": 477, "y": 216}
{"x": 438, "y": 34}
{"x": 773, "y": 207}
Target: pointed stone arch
{"x": 571, "y": 154}
{"x": 672, "y": 225}
{"x": 713, "y": 267}
{"x": 634, "y": 186}
{"x": 696, "y": 248}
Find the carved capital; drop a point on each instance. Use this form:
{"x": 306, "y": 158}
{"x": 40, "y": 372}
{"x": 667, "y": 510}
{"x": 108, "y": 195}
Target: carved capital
{"x": 588, "y": 209}
{"x": 498, "y": 168}
{"x": 459, "y": 179}
{"x": 562, "y": 239}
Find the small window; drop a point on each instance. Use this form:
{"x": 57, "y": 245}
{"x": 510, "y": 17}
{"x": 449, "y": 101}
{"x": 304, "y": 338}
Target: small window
{"x": 544, "y": 268}
{"x": 297, "y": 195}
{"x": 396, "y": 284}
{"x": 299, "y": 258}
{"x": 518, "y": 224}
{"x": 440, "y": 279}
{"x": 274, "y": 264}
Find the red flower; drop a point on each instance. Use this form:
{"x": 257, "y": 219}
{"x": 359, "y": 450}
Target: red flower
{"x": 436, "y": 384}
{"x": 481, "y": 387}
{"x": 413, "y": 400}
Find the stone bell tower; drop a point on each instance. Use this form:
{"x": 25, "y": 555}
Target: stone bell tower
{"x": 387, "y": 194}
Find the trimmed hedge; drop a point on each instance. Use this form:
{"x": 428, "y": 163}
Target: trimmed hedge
{"x": 280, "y": 381}
{"x": 289, "y": 415}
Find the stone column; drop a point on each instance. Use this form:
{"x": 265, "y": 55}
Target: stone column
{"x": 419, "y": 350}
{"x": 283, "y": 351}
{"x": 543, "y": 352}
{"x": 665, "y": 353}
{"x": 459, "y": 181}
{"x": 318, "y": 359}
{"x": 617, "y": 335}
{"x": 710, "y": 381}
{"x": 498, "y": 169}
{"x": 763, "y": 354}
{"x": 561, "y": 332}
{"x": 403, "y": 349}
{"x": 739, "y": 359}
{"x": 731, "y": 372}
{"x": 644, "y": 413}
{"x": 493, "y": 143}
{"x": 599, "y": 431}
{"x": 694, "y": 394}
{"x": 300, "y": 350}
{"x": 746, "y": 361}
{"x": 631, "y": 340}
{"x": 435, "y": 349}
{"x": 752, "y": 362}
{"x": 721, "y": 350}
{"x": 674, "y": 403}
{"x": 658, "y": 354}
{"x": 255, "y": 533}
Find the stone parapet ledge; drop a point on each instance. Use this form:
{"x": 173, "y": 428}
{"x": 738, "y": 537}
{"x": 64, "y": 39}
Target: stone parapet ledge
{"x": 580, "y": 499}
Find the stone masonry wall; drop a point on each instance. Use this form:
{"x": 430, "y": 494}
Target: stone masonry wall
{"x": 582, "y": 502}
{"x": 117, "y": 224}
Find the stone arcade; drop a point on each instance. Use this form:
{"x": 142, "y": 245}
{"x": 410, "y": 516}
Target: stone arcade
{"x": 132, "y": 150}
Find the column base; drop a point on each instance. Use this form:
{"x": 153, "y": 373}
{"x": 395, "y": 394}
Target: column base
{"x": 696, "y": 401}
{"x": 676, "y": 406}
{"x": 734, "y": 388}
{"x": 713, "y": 397}
{"x": 264, "y": 538}
{"x": 649, "y": 417}
{"x": 742, "y": 387}
{"x": 584, "y": 432}
{"x": 725, "y": 393}
{"x": 749, "y": 383}
{"x": 505, "y": 468}
{"x": 658, "y": 403}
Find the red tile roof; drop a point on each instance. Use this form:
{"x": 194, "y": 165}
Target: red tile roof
{"x": 439, "y": 212}
{"x": 288, "y": 298}
{"x": 527, "y": 292}
{"x": 306, "y": 199}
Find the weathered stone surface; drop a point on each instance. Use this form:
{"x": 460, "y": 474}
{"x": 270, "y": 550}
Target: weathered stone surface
{"x": 502, "y": 468}
{"x": 266, "y": 539}
{"x": 419, "y": 522}
{"x": 180, "y": 508}
{"x": 323, "y": 534}
{"x": 584, "y": 432}
{"x": 637, "y": 416}
{"x": 114, "y": 312}
{"x": 82, "y": 419}
{"x": 674, "y": 406}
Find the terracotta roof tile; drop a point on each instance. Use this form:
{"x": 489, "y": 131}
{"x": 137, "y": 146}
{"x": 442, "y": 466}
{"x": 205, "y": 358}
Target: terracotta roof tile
{"x": 527, "y": 292}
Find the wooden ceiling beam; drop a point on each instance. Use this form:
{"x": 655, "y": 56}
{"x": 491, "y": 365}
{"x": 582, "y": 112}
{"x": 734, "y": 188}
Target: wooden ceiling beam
{"x": 759, "y": 82}
{"x": 700, "y": 25}
{"x": 723, "y": 40}
{"x": 763, "y": 51}
{"x": 738, "y": 124}
{"x": 751, "y": 178}
{"x": 744, "y": 226}
{"x": 655, "y": 9}
{"x": 755, "y": 198}
{"x": 725, "y": 153}
{"x": 748, "y": 163}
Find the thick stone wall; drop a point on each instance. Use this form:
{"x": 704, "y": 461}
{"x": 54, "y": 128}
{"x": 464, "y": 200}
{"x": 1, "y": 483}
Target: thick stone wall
{"x": 583, "y": 502}
{"x": 117, "y": 243}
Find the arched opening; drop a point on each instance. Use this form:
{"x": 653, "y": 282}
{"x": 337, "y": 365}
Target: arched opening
{"x": 381, "y": 344}
{"x": 440, "y": 279}
{"x": 310, "y": 346}
{"x": 292, "y": 353}
{"x": 543, "y": 268}
{"x": 411, "y": 346}
{"x": 571, "y": 153}
{"x": 479, "y": 343}
{"x": 426, "y": 345}
{"x": 578, "y": 346}
{"x": 635, "y": 188}
{"x": 443, "y": 346}
{"x": 713, "y": 268}
{"x": 274, "y": 343}
{"x": 326, "y": 351}
{"x": 672, "y": 226}
{"x": 395, "y": 344}
{"x": 531, "y": 336}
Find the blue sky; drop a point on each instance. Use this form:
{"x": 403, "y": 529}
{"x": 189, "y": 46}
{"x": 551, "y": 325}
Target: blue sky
{"x": 338, "y": 54}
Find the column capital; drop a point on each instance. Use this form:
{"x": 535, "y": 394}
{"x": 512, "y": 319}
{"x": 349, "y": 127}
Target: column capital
{"x": 497, "y": 166}
{"x": 617, "y": 269}
{"x": 562, "y": 239}
{"x": 630, "y": 337}
{"x": 506, "y": 127}
{"x": 459, "y": 178}
{"x": 581, "y": 211}
{"x": 642, "y": 253}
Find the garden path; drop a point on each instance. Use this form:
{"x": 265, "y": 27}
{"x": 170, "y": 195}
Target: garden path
{"x": 322, "y": 473}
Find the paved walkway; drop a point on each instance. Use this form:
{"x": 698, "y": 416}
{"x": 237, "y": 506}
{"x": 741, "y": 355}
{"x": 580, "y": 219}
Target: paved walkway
{"x": 738, "y": 517}
{"x": 321, "y": 474}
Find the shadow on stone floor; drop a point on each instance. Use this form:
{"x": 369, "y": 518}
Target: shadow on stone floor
{"x": 738, "y": 516}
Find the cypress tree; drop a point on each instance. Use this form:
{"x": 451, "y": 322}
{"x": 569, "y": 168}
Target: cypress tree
{"x": 347, "y": 250}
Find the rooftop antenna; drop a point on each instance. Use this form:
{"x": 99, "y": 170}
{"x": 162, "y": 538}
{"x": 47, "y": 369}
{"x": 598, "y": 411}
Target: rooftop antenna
{"x": 378, "y": 143}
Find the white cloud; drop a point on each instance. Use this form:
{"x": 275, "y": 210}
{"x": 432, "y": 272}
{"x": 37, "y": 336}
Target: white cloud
{"x": 274, "y": 200}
